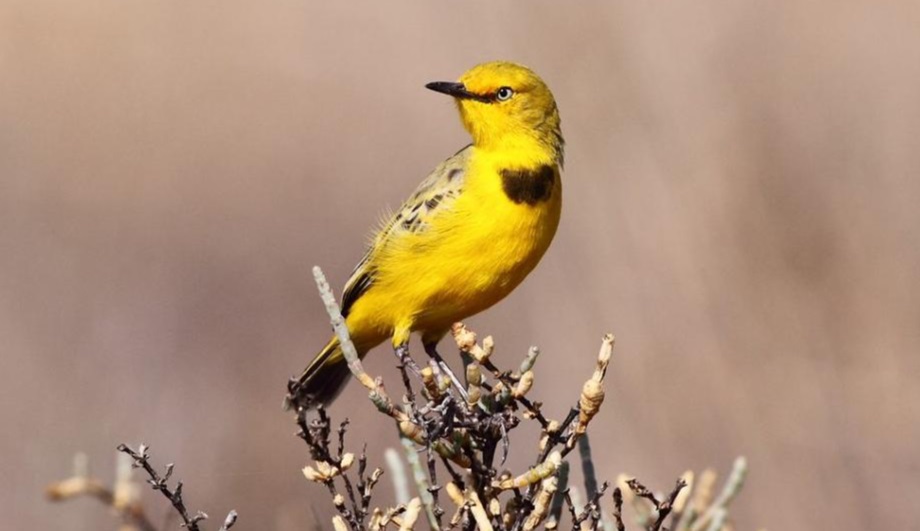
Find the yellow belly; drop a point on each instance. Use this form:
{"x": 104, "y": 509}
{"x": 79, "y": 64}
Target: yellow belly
{"x": 467, "y": 260}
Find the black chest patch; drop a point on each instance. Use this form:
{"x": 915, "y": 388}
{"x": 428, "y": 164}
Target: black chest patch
{"x": 529, "y": 186}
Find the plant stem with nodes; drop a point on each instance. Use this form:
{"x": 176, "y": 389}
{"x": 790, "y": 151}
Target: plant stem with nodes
{"x": 160, "y": 483}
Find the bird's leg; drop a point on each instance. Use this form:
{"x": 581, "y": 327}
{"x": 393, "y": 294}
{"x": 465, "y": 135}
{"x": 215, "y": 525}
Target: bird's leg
{"x": 406, "y": 362}
{"x": 431, "y": 350}
{"x": 402, "y": 353}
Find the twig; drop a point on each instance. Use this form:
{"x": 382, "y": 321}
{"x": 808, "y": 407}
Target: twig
{"x": 732, "y": 486}
{"x": 562, "y": 475}
{"x": 159, "y": 483}
{"x": 591, "y": 509}
{"x": 80, "y": 484}
{"x": 664, "y": 508}
{"x": 397, "y": 475}
{"x": 618, "y": 509}
{"x": 229, "y": 521}
{"x": 699, "y": 500}
{"x": 341, "y": 330}
{"x": 718, "y": 519}
{"x": 421, "y": 483}
{"x": 681, "y": 501}
{"x": 587, "y": 465}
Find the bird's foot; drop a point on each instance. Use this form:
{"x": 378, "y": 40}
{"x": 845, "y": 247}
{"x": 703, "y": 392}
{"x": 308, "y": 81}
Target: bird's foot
{"x": 402, "y": 354}
{"x": 406, "y": 365}
{"x": 443, "y": 367}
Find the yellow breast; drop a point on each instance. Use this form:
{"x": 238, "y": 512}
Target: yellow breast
{"x": 474, "y": 255}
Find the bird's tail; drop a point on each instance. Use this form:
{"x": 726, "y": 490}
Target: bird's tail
{"x": 322, "y": 380}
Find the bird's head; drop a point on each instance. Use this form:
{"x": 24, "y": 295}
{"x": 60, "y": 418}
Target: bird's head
{"x": 505, "y": 105}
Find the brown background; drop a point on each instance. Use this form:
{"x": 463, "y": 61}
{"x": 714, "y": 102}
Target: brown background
{"x": 741, "y": 210}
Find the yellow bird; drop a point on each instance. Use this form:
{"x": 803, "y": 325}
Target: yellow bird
{"x": 468, "y": 235}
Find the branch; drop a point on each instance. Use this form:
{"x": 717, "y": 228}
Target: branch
{"x": 159, "y": 483}
{"x": 467, "y": 426}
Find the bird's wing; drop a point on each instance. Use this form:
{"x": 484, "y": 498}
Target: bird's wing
{"x": 434, "y": 195}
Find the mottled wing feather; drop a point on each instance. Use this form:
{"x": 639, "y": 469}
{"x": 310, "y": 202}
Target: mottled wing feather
{"x": 433, "y": 196}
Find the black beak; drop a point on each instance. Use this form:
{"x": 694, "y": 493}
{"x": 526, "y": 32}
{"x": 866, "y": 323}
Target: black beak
{"x": 457, "y": 90}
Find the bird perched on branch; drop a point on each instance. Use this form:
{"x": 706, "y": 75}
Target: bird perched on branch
{"x": 468, "y": 235}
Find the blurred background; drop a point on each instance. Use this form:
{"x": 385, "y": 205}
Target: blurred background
{"x": 741, "y": 211}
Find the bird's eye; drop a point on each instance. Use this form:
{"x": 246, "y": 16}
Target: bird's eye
{"x": 504, "y": 94}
